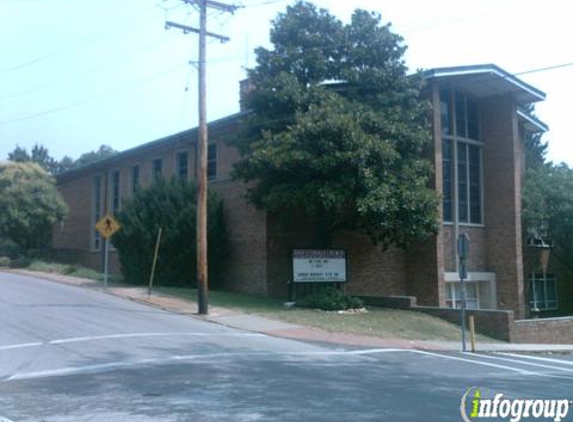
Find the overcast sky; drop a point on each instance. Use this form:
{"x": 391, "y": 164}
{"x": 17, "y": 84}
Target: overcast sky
{"x": 75, "y": 74}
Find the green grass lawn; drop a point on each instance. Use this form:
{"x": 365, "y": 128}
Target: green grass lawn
{"x": 70, "y": 269}
{"x": 378, "y": 322}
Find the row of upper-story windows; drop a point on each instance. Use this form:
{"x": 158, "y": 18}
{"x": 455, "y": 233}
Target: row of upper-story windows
{"x": 462, "y": 156}
{"x": 157, "y": 171}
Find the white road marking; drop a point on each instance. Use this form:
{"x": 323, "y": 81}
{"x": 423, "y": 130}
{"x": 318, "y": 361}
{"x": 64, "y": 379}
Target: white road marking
{"x": 522, "y": 362}
{"x": 20, "y": 346}
{"x": 215, "y": 358}
{"x": 562, "y": 362}
{"x": 128, "y": 335}
{"x": 74, "y": 370}
{"x": 477, "y": 362}
{"x": 132, "y": 335}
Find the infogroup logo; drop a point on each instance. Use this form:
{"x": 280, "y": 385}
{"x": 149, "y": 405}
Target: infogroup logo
{"x": 474, "y": 407}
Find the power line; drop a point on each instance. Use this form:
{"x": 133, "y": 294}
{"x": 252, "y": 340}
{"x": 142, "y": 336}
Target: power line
{"x": 75, "y": 76}
{"x": 543, "y": 69}
{"x": 87, "y": 40}
{"x": 94, "y": 97}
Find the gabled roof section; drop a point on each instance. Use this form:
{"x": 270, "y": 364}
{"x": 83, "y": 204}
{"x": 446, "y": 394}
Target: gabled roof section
{"x": 484, "y": 81}
{"x": 187, "y": 136}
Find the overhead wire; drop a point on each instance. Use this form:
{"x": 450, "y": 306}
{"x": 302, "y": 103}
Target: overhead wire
{"x": 94, "y": 97}
{"x": 102, "y": 34}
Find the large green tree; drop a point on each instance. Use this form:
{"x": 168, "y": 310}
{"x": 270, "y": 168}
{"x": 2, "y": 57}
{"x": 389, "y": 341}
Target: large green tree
{"x": 170, "y": 205}
{"x": 547, "y": 201}
{"x": 40, "y": 155}
{"x": 29, "y": 204}
{"x": 338, "y": 129}
{"x": 104, "y": 151}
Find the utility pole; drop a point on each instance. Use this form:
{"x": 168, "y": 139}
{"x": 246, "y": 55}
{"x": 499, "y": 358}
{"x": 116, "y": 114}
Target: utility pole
{"x": 202, "y": 266}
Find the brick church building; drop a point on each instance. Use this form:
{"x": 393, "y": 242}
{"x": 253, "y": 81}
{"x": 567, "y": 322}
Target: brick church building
{"x": 479, "y": 123}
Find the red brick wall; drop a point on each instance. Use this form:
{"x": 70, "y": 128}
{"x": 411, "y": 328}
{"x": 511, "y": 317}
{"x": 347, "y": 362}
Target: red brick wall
{"x": 502, "y": 198}
{"x": 370, "y": 270}
{"x": 247, "y": 269}
{"x": 425, "y": 260}
{"x": 477, "y": 258}
{"x": 548, "y": 331}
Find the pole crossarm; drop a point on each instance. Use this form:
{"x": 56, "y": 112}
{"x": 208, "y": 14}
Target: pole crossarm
{"x": 202, "y": 145}
{"x": 187, "y": 29}
{"x": 215, "y": 5}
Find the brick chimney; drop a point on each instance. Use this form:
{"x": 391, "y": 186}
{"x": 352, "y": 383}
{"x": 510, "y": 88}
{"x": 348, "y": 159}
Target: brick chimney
{"x": 245, "y": 87}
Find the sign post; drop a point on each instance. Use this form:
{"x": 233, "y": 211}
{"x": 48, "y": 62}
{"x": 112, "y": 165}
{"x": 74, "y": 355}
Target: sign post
{"x": 107, "y": 226}
{"x": 463, "y": 252}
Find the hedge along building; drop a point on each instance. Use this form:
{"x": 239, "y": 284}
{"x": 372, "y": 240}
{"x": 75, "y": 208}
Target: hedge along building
{"x": 478, "y": 128}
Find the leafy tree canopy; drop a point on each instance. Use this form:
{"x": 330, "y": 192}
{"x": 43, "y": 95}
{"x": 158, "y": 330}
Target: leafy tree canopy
{"x": 29, "y": 204}
{"x": 41, "y": 156}
{"x": 104, "y": 151}
{"x": 338, "y": 129}
{"x": 169, "y": 204}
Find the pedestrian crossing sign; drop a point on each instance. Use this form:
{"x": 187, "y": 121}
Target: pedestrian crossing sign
{"x": 107, "y": 226}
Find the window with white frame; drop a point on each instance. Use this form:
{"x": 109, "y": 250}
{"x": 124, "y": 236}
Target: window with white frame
{"x": 183, "y": 165}
{"x": 543, "y": 291}
{"x": 212, "y": 162}
{"x": 96, "y": 210}
{"x": 115, "y": 191}
{"x": 157, "y": 169}
{"x": 461, "y": 158}
{"x": 135, "y": 178}
{"x": 454, "y": 295}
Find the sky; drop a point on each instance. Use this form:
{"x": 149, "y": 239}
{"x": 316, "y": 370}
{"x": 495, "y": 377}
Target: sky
{"x": 75, "y": 74}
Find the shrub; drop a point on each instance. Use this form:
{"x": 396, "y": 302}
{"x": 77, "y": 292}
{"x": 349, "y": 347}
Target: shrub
{"x": 4, "y": 261}
{"x": 9, "y": 248}
{"x": 330, "y": 299}
{"x": 171, "y": 205}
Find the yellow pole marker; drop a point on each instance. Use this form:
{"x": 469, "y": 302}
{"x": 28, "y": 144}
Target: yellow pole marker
{"x": 154, "y": 262}
{"x": 472, "y": 333}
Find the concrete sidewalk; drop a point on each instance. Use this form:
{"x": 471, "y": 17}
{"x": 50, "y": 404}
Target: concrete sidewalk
{"x": 259, "y": 324}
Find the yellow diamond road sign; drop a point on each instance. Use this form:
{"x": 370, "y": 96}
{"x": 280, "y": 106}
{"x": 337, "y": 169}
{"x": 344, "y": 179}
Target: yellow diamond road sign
{"x": 107, "y": 226}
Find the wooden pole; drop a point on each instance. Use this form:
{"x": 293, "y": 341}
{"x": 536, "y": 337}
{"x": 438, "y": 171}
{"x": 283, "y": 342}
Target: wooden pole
{"x": 202, "y": 280}
{"x": 152, "y": 275}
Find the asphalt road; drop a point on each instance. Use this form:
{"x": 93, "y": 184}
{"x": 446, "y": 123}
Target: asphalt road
{"x": 71, "y": 354}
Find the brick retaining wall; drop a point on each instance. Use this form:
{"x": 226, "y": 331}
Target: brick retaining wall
{"x": 544, "y": 330}
{"x": 494, "y": 323}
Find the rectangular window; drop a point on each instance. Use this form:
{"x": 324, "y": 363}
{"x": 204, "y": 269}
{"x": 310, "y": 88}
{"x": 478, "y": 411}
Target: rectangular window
{"x": 97, "y": 208}
{"x": 469, "y": 183}
{"x": 183, "y": 165}
{"x": 472, "y": 119}
{"x": 543, "y": 291}
{"x": 461, "y": 116}
{"x": 157, "y": 168}
{"x": 134, "y": 179}
{"x": 474, "y": 174}
{"x": 115, "y": 192}
{"x": 445, "y": 112}
{"x": 212, "y": 162}
{"x": 447, "y": 179}
{"x": 454, "y": 295}
{"x": 461, "y": 158}
{"x": 463, "y": 199}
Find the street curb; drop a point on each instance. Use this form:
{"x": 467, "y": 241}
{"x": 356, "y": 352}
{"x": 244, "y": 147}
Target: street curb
{"x": 304, "y": 333}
